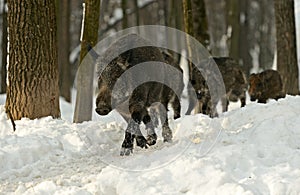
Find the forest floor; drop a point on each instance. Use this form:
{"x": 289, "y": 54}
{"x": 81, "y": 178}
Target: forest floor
{"x": 250, "y": 150}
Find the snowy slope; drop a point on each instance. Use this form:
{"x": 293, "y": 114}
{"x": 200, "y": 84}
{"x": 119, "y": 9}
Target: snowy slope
{"x": 252, "y": 150}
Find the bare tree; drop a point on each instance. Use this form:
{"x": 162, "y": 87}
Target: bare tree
{"x": 63, "y": 21}
{"x": 244, "y": 39}
{"x": 124, "y": 10}
{"x": 200, "y": 23}
{"x": 83, "y": 108}
{"x": 32, "y": 89}
{"x": 188, "y": 26}
{"x": 4, "y": 49}
{"x": 266, "y": 35}
{"x": 286, "y": 45}
{"x": 137, "y": 12}
{"x": 233, "y": 23}
{"x": 216, "y": 16}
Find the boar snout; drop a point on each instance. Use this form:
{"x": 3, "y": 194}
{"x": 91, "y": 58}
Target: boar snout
{"x": 252, "y": 98}
{"x": 103, "y": 110}
{"x": 103, "y": 101}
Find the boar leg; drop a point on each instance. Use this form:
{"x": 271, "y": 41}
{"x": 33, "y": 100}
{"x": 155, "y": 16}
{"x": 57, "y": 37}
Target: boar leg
{"x": 225, "y": 104}
{"x": 140, "y": 139}
{"x": 176, "y": 107}
{"x": 163, "y": 114}
{"x": 262, "y": 100}
{"x": 191, "y": 101}
{"x": 280, "y": 95}
{"x": 205, "y": 108}
{"x": 127, "y": 145}
{"x": 167, "y": 132}
{"x": 213, "y": 109}
{"x": 243, "y": 101}
{"x": 138, "y": 116}
{"x": 151, "y": 137}
{"x": 132, "y": 131}
{"x": 150, "y": 127}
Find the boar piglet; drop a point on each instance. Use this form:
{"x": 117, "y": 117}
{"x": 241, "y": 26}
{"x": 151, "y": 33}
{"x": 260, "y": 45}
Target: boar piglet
{"x": 234, "y": 80}
{"x": 265, "y": 85}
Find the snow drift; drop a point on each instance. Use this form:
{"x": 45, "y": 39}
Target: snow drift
{"x": 250, "y": 150}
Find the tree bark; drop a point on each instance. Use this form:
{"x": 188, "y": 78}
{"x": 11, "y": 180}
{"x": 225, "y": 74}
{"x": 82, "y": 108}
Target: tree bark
{"x": 137, "y": 12}
{"x": 64, "y": 49}
{"x": 124, "y": 10}
{"x": 200, "y": 23}
{"x": 286, "y": 45}
{"x": 188, "y": 27}
{"x": 4, "y": 50}
{"x": 244, "y": 39}
{"x": 233, "y": 11}
{"x": 84, "y": 97}
{"x": 266, "y": 30}
{"x": 32, "y": 90}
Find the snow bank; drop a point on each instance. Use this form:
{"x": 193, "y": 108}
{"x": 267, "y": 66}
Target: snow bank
{"x": 250, "y": 150}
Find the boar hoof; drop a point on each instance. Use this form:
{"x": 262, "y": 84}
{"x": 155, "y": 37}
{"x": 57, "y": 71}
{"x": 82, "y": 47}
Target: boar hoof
{"x": 167, "y": 135}
{"x": 141, "y": 141}
{"x": 136, "y": 116}
{"x": 262, "y": 101}
{"x": 168, "y": 139}
{"x": 176, "y": 116}
{"x": 125, "y": 151}
{"x": 127, "y": 145}
{"x": 151, "y": 139}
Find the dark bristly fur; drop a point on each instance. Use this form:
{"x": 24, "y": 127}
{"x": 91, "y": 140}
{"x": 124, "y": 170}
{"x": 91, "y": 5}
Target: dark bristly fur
{"x": 234, "y": 80}
{"x": 265, "y": 85}
{"x": 142, "y": 98}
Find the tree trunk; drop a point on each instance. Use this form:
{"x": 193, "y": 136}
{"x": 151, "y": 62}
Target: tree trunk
{"x": 267, "y": 23}
{"x": 124, "y": 10}
{"x": 64, "y": 49}
{"x": 233, "y": 11}
{"x": 178, "y": 15}
{"x": 188, "y": 27}
{"x": 286, "y": 45}
{"x": 4, "y": 50}
{"x": 216, "y": 13}
{"x": 178, "y": 22}
{"x": 244, "y": 42}
{"x": 188, "y": 17}
{"x": 200, "y": 23}
{"x": 32, "y": 90}
{"x": 84, "y": 97}
{"x": 137, "y": 12}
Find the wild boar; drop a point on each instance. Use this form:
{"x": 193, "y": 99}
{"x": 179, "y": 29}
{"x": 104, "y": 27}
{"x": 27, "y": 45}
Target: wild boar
{"x": 265, "y": 85}
{"x": 172, "y": 97}
{"x": 235, "y": 81}
{"x": 202, "y": 104}
{"x": 235, "y": 84}
{"x": 142, "y": 98}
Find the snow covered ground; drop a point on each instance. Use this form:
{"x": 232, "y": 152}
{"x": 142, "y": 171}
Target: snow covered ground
{"x": 250, "y": 150}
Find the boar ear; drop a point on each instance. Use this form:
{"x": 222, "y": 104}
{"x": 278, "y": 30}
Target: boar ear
{"x": 252, "y": 76}
{"x": 268, "y": 76}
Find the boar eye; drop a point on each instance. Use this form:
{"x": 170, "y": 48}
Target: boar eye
{"x": 193, "y": 82}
